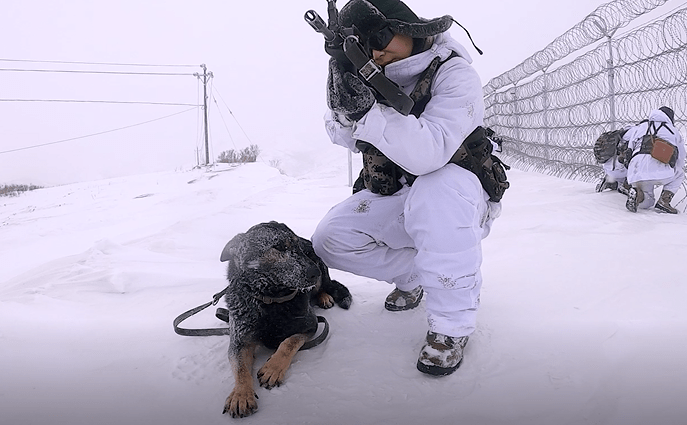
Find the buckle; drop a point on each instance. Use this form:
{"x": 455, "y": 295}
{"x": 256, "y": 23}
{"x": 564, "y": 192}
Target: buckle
{"x": 369, "y": 70}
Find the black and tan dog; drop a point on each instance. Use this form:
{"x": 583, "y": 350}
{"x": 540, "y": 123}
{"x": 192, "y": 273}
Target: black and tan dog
{"x": 274, "y": 278}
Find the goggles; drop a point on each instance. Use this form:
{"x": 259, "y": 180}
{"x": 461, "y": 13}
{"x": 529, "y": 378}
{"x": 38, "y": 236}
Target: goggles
{"x": 380, "y": 39}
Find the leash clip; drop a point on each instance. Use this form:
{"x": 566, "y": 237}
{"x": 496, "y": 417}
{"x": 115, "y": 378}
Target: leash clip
{"x": 219, "y": 295}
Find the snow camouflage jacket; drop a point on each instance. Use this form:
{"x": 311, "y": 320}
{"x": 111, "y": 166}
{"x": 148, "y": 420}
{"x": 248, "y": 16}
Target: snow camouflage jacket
{"x": 643, "y": 167}
{"x": 425, "y": 144}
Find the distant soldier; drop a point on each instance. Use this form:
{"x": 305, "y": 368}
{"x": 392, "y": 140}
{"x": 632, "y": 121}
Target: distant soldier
{"x": 657, "y": 159}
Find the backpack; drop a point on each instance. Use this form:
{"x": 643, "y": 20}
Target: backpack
{"x": 475, "y": 153}
{"x": 606, "y": 146}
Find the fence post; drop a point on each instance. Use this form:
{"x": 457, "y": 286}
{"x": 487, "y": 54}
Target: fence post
{"x": 611, "y": 84}
{"x": 545, "y": 95}
{"x": 516, "y": 114}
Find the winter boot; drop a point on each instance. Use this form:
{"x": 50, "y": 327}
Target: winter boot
{"x": 663, "y": 203}
{"x": 399, "y": 300}
{"x": 634, "y": 198}
{"x": 624, "y": 188}
{"x": 441, "y": 354}
{"x": 605, "y": 184}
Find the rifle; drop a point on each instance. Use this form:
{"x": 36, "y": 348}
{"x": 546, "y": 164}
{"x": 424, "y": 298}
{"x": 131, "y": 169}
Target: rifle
{"x": 347, "y": 41}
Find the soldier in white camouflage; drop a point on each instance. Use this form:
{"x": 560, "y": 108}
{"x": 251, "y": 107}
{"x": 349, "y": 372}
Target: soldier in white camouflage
{"x": 416, "y": 219}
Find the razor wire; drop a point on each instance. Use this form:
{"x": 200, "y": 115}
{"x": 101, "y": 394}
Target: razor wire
{"x": 603, "y": 22}
{"x": 549, "y": 123}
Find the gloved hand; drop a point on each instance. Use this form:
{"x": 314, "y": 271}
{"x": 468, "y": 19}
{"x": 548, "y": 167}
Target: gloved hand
{"x": 346, "y": 94}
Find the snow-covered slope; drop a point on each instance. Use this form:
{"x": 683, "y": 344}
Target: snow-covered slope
{"x": 582, "y": 319}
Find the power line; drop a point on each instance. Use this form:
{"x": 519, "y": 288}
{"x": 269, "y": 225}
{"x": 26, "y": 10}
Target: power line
{"x": 97, "y": 63}
{"x": 95, "y": 134}
{"x": 232, "y": 114}
{"x": 98, "y": 101}
{"x": 95, "y": 72}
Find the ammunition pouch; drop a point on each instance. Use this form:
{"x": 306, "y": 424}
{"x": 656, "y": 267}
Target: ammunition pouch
{"x": 379, "y": 174}
{"x": 475, "y": 155}
{"x": 659, "y": 149}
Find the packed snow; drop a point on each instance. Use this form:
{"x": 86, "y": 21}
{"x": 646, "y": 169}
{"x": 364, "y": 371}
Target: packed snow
{"x": 583, "y": 317}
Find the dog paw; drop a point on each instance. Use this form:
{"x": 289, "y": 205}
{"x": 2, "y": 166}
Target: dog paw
{"x": 324, "y": 300}
{"x": 241, "y": 403}
{"x": 346, "y": 302}
{"x": 271, "y": 375}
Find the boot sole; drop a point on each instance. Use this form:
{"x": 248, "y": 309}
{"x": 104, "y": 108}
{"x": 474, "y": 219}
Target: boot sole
{"x": 393, "y": 307}
{"x": 437, "y": 370}
{"x": 664, "y": 210}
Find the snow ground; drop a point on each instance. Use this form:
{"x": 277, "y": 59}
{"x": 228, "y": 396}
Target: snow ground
{"x": 582, "y": 318}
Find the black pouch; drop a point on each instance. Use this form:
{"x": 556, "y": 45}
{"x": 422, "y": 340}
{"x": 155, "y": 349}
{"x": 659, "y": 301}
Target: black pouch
{"x": 475, "y": 154}
{"x": 379, "y": 174}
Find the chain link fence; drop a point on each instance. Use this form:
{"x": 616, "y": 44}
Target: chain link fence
{"x": 550, "y": 121}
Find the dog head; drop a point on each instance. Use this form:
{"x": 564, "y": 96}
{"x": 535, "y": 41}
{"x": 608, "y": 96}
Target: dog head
{"x": 270, "y": 254}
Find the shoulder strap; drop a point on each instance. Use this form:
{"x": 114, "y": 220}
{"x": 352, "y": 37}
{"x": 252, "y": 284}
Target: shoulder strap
{"x": 653, "y": 124}
{"x": 421, "y": 93}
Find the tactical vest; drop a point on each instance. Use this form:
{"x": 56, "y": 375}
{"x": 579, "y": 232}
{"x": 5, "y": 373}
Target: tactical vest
{"x": 381, "y": 175}
{"x": 658, "y": 148}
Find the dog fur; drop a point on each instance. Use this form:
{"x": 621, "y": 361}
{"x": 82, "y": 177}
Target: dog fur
{"x": 266, "y": 265}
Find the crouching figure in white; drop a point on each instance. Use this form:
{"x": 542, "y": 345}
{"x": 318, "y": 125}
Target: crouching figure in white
{"x": 426, "y": 237}
{"x": 645, "y": 173}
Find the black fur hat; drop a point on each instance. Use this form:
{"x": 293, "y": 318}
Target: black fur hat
{"x": 370, "y": 16}
{"x": 669, "y": 112}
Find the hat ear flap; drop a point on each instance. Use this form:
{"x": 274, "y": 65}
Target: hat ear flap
{"x": 423, "y": 29}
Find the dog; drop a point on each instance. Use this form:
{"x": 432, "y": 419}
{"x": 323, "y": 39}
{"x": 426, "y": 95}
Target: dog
{"x": 274, "y": 277}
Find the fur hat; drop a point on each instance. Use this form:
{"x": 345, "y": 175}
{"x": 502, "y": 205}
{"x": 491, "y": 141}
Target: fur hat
{"x": 669, "y": 112}
{"x": 369, "y": 16}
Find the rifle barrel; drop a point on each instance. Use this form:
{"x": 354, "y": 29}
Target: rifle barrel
{"x": 317, "y": 23}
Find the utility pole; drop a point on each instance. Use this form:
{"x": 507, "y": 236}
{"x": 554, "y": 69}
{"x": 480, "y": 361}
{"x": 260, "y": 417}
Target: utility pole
{"x": 204, "y": 77}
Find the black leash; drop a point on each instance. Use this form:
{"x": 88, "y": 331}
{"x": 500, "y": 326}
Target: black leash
{"x": 201, "y": 332}
{"x": 223, "y": 314}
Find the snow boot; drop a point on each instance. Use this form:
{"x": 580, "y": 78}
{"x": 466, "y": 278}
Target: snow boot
{"x": 634, "y": 198}
{"x": 624, "y": 188}
{"x": 605, "y": 184}
{"x": 441, "y": 354}
{"x": 663, "y": 203}
{"x": 399, "y": 300}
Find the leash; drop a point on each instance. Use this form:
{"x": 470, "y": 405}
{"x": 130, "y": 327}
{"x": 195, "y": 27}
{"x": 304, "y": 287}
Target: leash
{"x": 201, "y": 332}
{"x": 223, "y": 314}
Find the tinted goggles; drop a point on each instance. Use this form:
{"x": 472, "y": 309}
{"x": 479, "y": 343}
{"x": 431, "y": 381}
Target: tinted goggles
{"x": 380, "y": 39}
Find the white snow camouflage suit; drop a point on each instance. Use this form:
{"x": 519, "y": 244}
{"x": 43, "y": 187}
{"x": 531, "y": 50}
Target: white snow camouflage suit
{"x": 429, "y": 234}
{"x": 644, "y": 171}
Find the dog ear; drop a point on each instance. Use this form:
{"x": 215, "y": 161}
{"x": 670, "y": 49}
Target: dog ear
{"x": 306, "y": 246}
{"x": 231, "y": 251}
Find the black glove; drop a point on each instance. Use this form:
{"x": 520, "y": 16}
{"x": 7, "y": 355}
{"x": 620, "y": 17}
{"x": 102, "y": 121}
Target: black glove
{"x": 346, "y": 94}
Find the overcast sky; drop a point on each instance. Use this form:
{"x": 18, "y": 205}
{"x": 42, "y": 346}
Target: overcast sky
{"x": 269, "y": 70}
